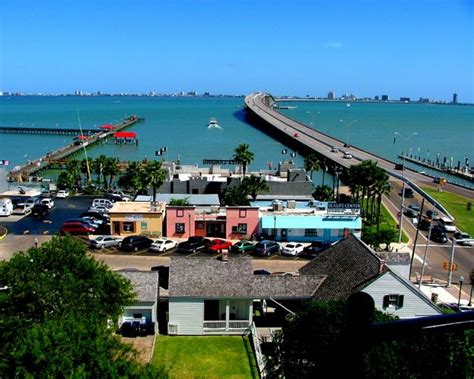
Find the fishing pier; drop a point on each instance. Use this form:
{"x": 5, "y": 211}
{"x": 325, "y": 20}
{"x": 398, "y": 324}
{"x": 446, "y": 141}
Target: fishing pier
{"x": 87, "y": 138}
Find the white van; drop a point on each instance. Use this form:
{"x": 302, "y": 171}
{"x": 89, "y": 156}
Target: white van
{"x": 103, "y": 203}
{"x": 6, "y": 207}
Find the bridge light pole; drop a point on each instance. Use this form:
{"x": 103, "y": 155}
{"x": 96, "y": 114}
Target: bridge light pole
{"x": 402, "y": 203}
{"x": 347, "y": 125}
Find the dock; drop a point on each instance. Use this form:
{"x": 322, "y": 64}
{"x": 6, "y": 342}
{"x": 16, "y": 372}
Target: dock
{"x": 47, "y": 131}
{"x": 25, "y": 172}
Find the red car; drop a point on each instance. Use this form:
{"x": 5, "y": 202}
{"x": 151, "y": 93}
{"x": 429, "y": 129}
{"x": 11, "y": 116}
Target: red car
{"x": 217, "y": 245}
{"x": 76, "y": 227}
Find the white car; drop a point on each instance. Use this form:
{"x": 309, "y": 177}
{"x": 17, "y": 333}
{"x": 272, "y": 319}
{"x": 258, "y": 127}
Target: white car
{"x": 62, "y": 194}
{"x": 48, "y": 202}
{"x": 163, "y": 245}
{"x": 22, "y": 209}
{"x": 447, "y": 224}
{"x": 291, "y": 248}
{"x": 102, "y": 242}
{"x": 347, "y": 155}
{"x": 99, "y": 209}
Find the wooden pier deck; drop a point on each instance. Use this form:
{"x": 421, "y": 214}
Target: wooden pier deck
{"x": 47, "y": 131}
{"x": 32, "y": 167}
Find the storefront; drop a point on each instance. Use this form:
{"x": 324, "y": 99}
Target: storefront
{"x": 131, "y": 218}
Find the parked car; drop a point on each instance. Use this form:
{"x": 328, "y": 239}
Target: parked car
{"x": 463, "y": 236}
{"x": 85, "y": 220}
{"x": 31, "y": 201}
{"x": 99, "y": 209}
{"x": 93, "y": 221}
{"x": 217, "y": 245}
{"x": 334, "y": 149}
{"x": 48, "y": 202}
{"x": 22, "y": 209}
{"x": 292, "y": 249}
{"x": 193, "y": 244}
{"x": 135, "y": 243}
{"x": 432, "y": 214}
{"x": 313, "y": 250}
{"x": 242, "y": 247}
{"x": 62, "y": 194}
{"x": 261, "y": 272}
{"x": 117, "y": 196}
{"x": 39, "y": 210}
{"x": 99, "y": 216}
{"x": 438, "y": 235}
{"x": 446, "y": 224}
{"x": 102, "y": 203}
{"x": 163, "y": 245}
{"x": 267, "y": 247}
{"x": 76, "y": 227}
{"x": 408, "y": 193}
{"x": 102, "y": 242}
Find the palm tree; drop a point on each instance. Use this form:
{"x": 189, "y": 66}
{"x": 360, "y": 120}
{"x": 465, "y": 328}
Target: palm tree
{"x": 243, "y": 156}
{"x": 323, "y": 193}
{"x": 130, "y": 180}
{"x": 99, "y": 164}
{"x": 253, "y": 185}
{"x": 73, "y": 169}
{"x": 111, "y": 169}
{"x": 382, "y": 187}
{"x": 85, "y": 169}
{"x": 153, "y": 175}
{"x": 235, "y": 196}
{"x": 312, "y": 163}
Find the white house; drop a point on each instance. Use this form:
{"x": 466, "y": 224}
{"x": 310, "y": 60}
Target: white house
{"x": 210, "y": 296}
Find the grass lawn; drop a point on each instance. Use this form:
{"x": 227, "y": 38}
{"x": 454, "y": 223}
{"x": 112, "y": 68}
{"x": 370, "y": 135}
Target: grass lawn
{"x": 387, "y": 219}
{"x": 456, "y": 205}
{"x": 209, "y": 357}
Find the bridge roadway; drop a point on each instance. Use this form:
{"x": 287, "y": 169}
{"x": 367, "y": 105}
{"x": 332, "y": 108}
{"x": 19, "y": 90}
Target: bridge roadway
{"x": 301, "y": 134}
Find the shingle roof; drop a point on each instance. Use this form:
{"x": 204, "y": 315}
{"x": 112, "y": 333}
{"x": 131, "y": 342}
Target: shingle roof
{"x": 394, "y": 257}
{"x": 145, "y": 283}
{"x": 212, "y": 278}
{"x": 347, "y": 264}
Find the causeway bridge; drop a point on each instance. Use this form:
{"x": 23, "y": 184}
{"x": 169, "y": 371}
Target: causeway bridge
{"x": 307, "y": 139}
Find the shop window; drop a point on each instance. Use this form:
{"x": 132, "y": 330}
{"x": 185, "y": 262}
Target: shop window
{"x": 128, "y": 227}
{"x": 311, "y": 232}
{"x": 179, "y": 228}
{"x": 240, "y": 228}
{"x": 242, "y": 213}
{"x": 393, "y": 301}
{"x": 180, "y": 213}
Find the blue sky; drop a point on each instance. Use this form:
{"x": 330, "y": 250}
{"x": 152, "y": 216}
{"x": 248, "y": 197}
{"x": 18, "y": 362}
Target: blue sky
{"x": 401, "y": 48}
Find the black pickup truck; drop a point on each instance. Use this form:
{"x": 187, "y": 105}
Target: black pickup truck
{"x": 194, "y": 244}
{"x": 39, "y": 210}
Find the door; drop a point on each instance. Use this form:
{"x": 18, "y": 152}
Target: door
{"x": 116, "y": 227}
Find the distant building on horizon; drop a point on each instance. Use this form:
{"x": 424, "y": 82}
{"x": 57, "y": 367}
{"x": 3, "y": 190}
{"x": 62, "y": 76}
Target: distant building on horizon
{"x": 376, "y": 98}
{"x": 455, "y": 98}
{"x": 331, "y": 95}
{"x": 384, "y": 97}
{"x": 405, "y": 99}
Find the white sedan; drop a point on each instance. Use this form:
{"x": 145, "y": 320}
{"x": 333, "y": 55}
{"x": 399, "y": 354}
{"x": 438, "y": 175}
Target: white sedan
{"x": 162, "y": 245}
{"x": 292, "y": 249}
{"x": 62, "y": 194}
{"x": 48, "y": 202}
{"x": 22, "y": 209}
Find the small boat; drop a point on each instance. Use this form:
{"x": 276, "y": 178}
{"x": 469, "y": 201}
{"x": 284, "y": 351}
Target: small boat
{"x": 213, "y": 123}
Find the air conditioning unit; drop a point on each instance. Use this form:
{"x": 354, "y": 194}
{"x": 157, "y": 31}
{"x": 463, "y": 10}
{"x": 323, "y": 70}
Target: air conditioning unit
{"x": 291, "y": 204}
{"x": 172, "y": 329}
{"x": 214, "y": 209}
{"x": 277, "y": 205}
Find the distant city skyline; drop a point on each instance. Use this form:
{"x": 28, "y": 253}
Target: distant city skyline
{"x": 416, "y": 49}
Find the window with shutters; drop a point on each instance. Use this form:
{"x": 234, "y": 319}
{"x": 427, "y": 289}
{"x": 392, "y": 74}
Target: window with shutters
{"x": 392, "y": 301}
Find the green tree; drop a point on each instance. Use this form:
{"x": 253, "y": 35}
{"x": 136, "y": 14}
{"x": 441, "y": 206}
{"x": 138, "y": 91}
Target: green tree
{"x": 55, "y": 304}
{"x": 236, "y": 196}
{"x": 376, "y": 236}
{"x": 111, "y": 170}
{"x": 311, "y": 164}
{"x": 319, "y": 340}
{"x": 66, "y": 180}
{"x": 86, "y": 169}
{"x": 253, "y": 185}
{"x": 243, "y": 156}
{"x": 179, "y": 202}
{"x": 99, "y": 165}
{"x": 153, "y": 176}
{"x": 323, "y": 193}
{"x": 73, "y": 169}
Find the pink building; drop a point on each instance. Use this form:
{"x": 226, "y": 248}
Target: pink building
{"x": 213, "y": 221}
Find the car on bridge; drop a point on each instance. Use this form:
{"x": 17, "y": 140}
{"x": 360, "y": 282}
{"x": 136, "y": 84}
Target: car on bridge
{"x": 347, "y": 155}
{"x": 438, "y": 235}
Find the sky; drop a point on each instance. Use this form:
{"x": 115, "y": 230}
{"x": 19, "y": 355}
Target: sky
{"x": 414, "y": 48}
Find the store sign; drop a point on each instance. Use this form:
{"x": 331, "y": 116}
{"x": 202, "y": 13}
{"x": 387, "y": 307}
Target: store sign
{"x": 133, "y": 217}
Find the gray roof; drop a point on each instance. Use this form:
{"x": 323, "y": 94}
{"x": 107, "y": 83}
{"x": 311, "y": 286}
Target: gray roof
{"x": 213, "y": 278}
{"x": 394, "y": 257}
{"x": 205, "y": 199}
{"x": 347, "y": 264}
{"x": 145, "y": 283}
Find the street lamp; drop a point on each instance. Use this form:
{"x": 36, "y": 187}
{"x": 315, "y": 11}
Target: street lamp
{"x": 347, "y": 125}
{"x": 402, "y": 204}
{"x": 461, "y": 280}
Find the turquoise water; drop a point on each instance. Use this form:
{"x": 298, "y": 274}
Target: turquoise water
{"x": 180, "y": 124}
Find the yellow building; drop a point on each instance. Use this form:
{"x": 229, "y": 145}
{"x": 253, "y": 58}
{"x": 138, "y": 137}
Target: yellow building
{"x": 131, "y": 218}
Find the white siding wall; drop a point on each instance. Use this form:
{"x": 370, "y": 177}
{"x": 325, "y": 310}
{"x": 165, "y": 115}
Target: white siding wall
{"x": 188, "y": 314}
{"x": 413, "y": 306}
